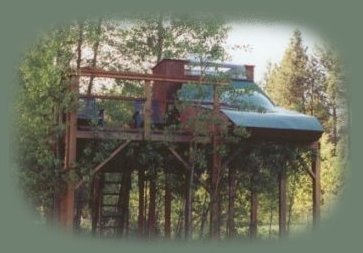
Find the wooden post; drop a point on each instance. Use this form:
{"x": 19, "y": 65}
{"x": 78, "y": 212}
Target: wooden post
{"x": 96, "y": 201}
{"x": 282, "y": 203}
{"x": 123, "y": 202}
{"x": 167, "y": 225}
{"x": 66, "y": 214}
{"x": 316, "y": 184}
{"x": 147, "y": 109}
{"x": 141, "y": 217}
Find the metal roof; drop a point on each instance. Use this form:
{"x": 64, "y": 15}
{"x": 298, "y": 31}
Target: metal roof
{"x": 254, "y": 108}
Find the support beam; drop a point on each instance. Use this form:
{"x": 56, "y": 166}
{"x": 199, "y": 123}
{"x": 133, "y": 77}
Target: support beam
{"x": 282, "y": 203}
{"x": 66, "y": 200}
{"x": 315, "y": 164}
{"x": 96, "y": 202}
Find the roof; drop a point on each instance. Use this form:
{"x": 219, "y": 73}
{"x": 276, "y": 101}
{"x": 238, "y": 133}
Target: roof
{"x": 246, "y": 105}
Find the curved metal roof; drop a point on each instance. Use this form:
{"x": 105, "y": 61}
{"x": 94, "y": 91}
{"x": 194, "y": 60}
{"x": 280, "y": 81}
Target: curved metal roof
{"x": 246, "y": 105}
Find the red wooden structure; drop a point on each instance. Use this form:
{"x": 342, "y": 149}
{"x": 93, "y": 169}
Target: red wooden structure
{"x": 161, "y": 88}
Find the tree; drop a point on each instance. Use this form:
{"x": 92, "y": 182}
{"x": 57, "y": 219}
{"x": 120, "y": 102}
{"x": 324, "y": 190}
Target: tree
{"x": 286, "y": 81}
{"x": 42, "y": 99}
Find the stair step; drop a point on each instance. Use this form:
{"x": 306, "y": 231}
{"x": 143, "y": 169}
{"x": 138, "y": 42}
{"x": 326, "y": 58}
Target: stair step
{"x": 110, "y": 216}
{"x": 112, "y": 182}
{"x": 108, "y": 227}
{"x": 109, "y": 205}
{"x": 111, "y": 193}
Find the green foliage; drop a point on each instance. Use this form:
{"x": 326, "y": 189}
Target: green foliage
{"x": 42, "y": 98}
{"x": 287, "y": 80}
{"x": 313, "y": 84}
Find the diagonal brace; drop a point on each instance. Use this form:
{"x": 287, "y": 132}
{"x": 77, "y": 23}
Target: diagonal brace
{"x": 102, "y": 164}
{"x": 187, "y": 166}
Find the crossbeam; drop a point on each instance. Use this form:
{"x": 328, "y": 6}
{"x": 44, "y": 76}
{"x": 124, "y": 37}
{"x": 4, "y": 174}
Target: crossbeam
{"x": 92, "y": 72}
{"x": 112, "y": 97}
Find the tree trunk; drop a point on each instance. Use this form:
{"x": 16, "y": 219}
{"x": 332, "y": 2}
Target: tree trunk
{"x": 316, "y": 185}
{"x": 146, "y": 204}
{"x": 167, "y": 200}
{"x": 215, "y": 172}
{"x": 95, "y": 54}
{"x": 178, "y": 231}
{"x": 282, "y": 203}
{"x": 335, "y": 129}
{"x": 203, "y": 218}
{"x": 254, "y": 207}
{"x": 160, "y": 40}
{"x": 188, "y": 205}
{"x": 231, "y": 229}
{"x": 270, "y": 220}
{"x": 124, "y": 196}
{"x": 253, "y": 214}
{"x": 141, "y": 216}
{"x": 189, "y": 196}
{"x": 152, "y": 206}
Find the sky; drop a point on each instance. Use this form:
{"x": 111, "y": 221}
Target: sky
{"x": 267, "y": 42}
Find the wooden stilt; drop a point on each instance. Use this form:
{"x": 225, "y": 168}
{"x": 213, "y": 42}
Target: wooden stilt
{"x": 67, "y": 197}
{"x": 96, "y": 202}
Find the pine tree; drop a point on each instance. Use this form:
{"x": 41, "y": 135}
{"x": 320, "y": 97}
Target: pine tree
{"x": 286, "y": 81}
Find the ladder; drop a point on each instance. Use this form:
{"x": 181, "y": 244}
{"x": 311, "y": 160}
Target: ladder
{"x": 109, "y": 213}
